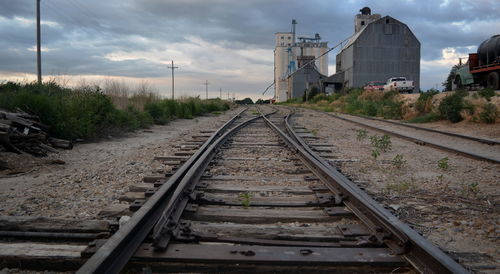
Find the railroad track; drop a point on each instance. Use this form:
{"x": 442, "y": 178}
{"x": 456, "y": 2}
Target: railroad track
{"x": 482, "y": 148}
{"x": 258, "y": 195}
{"x": 256, "y": 198}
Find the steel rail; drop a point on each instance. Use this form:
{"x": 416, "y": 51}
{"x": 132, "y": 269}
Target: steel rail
{"x": 422, "y": 142}
{"x": 119, "y": 248}
{"x": 403, "y": 240}
{"x": 167, "y": 223}
{"x": 468, "y": 137}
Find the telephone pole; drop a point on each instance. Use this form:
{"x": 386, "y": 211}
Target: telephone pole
{"x": 206, "y": 88}
{"x": 220, "y": 95}
{"x": 172, "y": 68}
{"x": 38, "y": 44}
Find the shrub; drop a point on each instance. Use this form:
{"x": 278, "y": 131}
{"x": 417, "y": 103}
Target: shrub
{"x": 79, "y": 113}
{"x": 426, "y": 118}
{"x": 486, "y": 93}
{"x": 313, "y": 91}
{"x": 451, "y": 106}
{"x": 86, "y": 112}
{"x": 424, "y": 101}
{"x": 489, "y": 114}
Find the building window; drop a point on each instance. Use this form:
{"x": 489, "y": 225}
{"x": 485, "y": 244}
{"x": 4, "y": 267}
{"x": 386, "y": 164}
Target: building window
{"x": 362, "y": 23}
{"x": 387, "y": 21}
{"x": 282, "y": 37}
{"x": 289, "y": 44}
{"x": 289, "y": 37}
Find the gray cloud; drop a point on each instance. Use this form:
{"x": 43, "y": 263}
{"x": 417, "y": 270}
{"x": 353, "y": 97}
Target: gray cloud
{"x": 87, "y": 31}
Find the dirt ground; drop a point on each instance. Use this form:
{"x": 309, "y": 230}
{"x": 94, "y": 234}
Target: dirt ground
{"x": 79, "y": 183}
{"x": 455, "y": 205}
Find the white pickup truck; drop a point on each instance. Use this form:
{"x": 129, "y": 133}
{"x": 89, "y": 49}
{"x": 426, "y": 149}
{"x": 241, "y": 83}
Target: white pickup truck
{"x": 399, "y": 84}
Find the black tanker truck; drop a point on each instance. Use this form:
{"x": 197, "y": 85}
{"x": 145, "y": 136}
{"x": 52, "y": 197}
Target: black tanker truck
{"x": 482, "y": 68}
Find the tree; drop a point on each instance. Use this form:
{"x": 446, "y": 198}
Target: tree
{"x": 246, "y": 101}
{"x": 313, "y": 91}
{"x": 448, "y": 84}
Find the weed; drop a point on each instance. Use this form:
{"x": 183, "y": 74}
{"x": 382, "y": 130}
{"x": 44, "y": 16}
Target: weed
{"x": 216, "y": 112}
{"x": 443, "y": 163}
{"x": 398, "y": 161}
{"x": 472, "y": 188}
{"x": 245, "y": 199}
{"x": 399, "y": 187}
{"x": 486, "y": 93}
{"x": 424, "y": 101}
{"x": 361, "y": 134}
{"x": 314, "y": 131}
{"x": 382, "y": 143}
{"x": 426, "y": 118}
{"x": 451, "y": 106}
{"x": 489, "y": 114}
{"x": 375, "y": 153}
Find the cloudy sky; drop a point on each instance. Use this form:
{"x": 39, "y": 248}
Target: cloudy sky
{"x": 227, "y": 42}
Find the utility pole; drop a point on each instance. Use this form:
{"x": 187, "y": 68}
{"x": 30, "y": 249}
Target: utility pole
{"x": 38, "y": 44}
{"x": 220, "y": 95}
{"x": 206, "y": 88}
{"x": 172, "y": 68}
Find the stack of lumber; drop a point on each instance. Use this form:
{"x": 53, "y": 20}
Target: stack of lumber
{"x": 21, "y": 132}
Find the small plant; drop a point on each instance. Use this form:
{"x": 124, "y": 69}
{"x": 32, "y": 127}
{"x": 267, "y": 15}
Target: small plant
{"x": 216, "y": 113}
{"x": 487, "y": 93}
{"x": 426, "y": 118}
{"x": 443, "y": 163}
{"x": 472, "y": 188}
{"x": 451, "y": 106}
{"x": 314, "y": 131}
{"x": 375, "y": 153}
{"x": 489, "y": 114}
{"x": 245, "y": 199}
{"x": 398, "y": 161}
{"x": 362, "y": 133}
{"x": 381, "y": 143}
{"x": 399, "y": 187}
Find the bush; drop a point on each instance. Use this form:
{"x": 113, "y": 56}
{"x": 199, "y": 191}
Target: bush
{"x": 489, "y": 114}
{"x": 451, "y": 106}
{"x": 424, "y": 101}
{"x": 313, "y": 91}
{"x": 426, "y": 118}
{"x": 165, "y": 110}
{"x": 86, "y": 112}
{"x": 486, "y": 93}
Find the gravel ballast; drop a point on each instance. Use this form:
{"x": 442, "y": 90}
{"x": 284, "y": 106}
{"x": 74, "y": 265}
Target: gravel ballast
{"x": 81, "y": 182}
{"x": 456, "y": 206}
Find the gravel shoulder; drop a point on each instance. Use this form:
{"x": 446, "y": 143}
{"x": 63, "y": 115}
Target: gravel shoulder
{"x": 456, "y": 207}
{"x": 469, "y": 146}
{"x": 79, "y": 183}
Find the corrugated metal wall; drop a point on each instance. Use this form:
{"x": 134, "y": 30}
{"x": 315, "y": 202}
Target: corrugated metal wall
{"x": 386, "y": 48}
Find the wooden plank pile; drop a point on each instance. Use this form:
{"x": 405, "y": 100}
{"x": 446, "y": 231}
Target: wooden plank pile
{"x": 21, "y": 132}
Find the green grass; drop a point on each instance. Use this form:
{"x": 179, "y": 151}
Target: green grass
{"x": 426, "y": 118}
